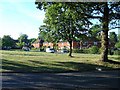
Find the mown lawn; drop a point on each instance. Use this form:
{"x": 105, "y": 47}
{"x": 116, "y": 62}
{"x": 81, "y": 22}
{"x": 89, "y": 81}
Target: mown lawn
{"x": 22, "y": 61}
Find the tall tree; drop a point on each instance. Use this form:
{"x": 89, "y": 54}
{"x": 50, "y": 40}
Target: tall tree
{"x": 8, "y": 42}
{"x": 108, "y": 14}
{"x": 48, "y": 35}
{"x": 64, "y": 21}
{"x": 23, "y": 40}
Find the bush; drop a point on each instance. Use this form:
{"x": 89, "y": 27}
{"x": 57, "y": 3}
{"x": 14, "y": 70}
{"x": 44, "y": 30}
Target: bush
{"x": 81, "y": 51}
{"x": 86, "y": 51}
{"x": 117, "y": 45}
{"x": 78, "y": 51}
{"x": 117, "y": 52}
{"x": 94, "y": 50}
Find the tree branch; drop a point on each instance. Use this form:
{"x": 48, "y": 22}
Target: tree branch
{"x": 114, "y": 28}
{"x": 94, "y": 17}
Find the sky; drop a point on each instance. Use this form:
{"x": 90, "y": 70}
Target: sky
{"x": 21, "y": 17}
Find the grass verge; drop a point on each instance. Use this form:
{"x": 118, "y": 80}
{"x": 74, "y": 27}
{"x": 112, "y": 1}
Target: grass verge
{"x": 22, "y": 61}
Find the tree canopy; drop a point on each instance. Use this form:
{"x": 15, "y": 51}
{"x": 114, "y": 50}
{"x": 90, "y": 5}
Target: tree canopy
{"x": 68, "y": 19}
{"x": 7, "y": 42}
{"x": 113, "y": 37}
{"x": 63, "y": 22}
{"x": 23, "y": 40}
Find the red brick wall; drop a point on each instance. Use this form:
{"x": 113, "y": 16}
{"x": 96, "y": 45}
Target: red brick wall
{"x": 36, "y": 45}
{"x": 66, "y": 44}
{"x": 46, "y": 44}
{"x": 63, "y": 44}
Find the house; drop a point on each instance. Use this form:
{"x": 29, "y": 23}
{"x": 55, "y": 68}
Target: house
{"x": 38, "y": 43}
{"x": 75, "y": 44}
{"x": 48, "y": 44}
{"x": 61, "y": 44}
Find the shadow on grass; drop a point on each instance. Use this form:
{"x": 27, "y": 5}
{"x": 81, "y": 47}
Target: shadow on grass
{"x": 84, "y": 66}
{"x": 113, "y": 62}
{"x": 13, "y": 66}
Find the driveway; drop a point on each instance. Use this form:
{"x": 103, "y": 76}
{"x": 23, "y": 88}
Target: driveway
{"x": 97, "y": 79}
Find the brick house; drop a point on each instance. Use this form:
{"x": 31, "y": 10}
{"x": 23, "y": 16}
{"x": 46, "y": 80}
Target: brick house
{"x": 38, "y": 43}
{"x": 48, "y": 44}
{"x": 61, "y": 45}
{"x": 75, "y": 44}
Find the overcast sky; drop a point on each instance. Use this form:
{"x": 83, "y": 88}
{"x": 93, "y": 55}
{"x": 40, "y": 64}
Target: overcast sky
{"x": 21, "y": 17}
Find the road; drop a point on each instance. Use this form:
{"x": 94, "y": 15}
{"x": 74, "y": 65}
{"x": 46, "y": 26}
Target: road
{"x": 58, "y": 81}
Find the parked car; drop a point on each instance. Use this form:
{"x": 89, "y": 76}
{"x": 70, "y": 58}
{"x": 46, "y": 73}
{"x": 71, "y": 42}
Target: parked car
{"x": 51, "y": 50}
{"x": 26, "y": 48}
{"x": 6, "y": 48}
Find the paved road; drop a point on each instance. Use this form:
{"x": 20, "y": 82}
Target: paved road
{"x": 66, "y": 81}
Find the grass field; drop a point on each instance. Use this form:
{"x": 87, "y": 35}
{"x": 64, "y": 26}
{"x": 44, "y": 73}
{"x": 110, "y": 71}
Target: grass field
{"x": 22, "y": 61}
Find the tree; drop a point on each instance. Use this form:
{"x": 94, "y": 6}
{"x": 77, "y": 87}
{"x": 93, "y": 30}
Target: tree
{"x": 94, "y": 32}
{"x": 63, "y": 21}
{"x": 23, "y": 40}
{"x": 32, "y": 40}
{"x": 118, "y": 37}
{"x": 7, "y": 42}
{"x": 47, "y": 35}
{"x": 117, "y": 45}
{"x": 108, "y": 14}
{"x": 113, "y": 37}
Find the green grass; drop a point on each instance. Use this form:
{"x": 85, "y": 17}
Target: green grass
{"x": 22, "y": 61}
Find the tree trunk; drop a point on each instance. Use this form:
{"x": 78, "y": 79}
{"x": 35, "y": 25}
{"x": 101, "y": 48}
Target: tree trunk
{"x": 70, "y": 53}
{"x": 104, "y": 43}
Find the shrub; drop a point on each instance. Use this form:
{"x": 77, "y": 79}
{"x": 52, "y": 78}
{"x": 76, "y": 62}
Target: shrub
{"x": 81, "y": 51}
{"x": 86, "y": 51}
{"x": 78, "y": 51}
{"x": 117, "y": 45}
{"x": 94, "y": 50}
{"x": 117, "y": 52}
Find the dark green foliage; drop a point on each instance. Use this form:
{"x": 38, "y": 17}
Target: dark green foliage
{"x": 64, "y": 21}
{"x": 78, "y": 51}
{"x": 116, "y": 52}
{"x": 0, "y": 43}
{"x": 111, "y": 51}
{"x": 94, "y": 32}
{"x": 118, "y": 37}
{"x": 117, "y": 45}
{"x": 113, "y": 37}
{"x": 7, "y": 42}
{"x": 85, "y": 51}
{"x": 32, "y": 40}
{"x": 94, "y": 50}
{"x": 23, "y": 41}
{"x": 66, "y": 18}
